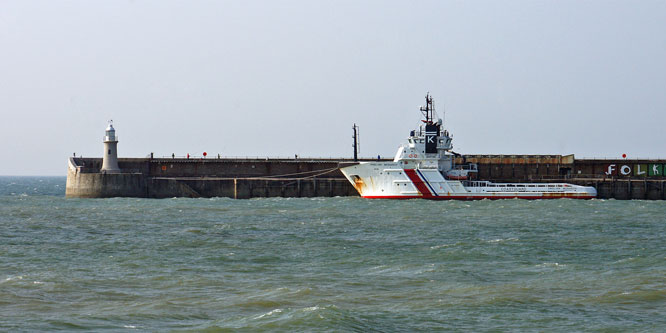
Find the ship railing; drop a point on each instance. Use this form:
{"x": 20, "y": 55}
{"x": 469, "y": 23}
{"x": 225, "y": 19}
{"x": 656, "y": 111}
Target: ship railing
{"x": 477, "y": 183}
{"x": 211, "y": 156}
{"x": 628, "y": 160}
{"x": 564, "y": 177}
{"x": 87, "y": 170}
{"x": 603, "y": 176}
{"x": 469, "y": 167}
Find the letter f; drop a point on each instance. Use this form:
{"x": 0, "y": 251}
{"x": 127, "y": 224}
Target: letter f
{"x": 611, "y": 168}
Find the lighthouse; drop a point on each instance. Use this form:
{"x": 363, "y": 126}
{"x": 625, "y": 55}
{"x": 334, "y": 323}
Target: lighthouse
{"x": 110, "y": 160}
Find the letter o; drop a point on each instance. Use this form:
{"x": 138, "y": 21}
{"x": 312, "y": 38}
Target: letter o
{"x": 625, "y": 170}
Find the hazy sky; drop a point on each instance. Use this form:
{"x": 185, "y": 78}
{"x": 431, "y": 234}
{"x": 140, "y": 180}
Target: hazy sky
{"x": 278, "y": 78}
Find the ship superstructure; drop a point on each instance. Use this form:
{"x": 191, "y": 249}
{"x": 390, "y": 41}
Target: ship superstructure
{"x": 424, "y": 167}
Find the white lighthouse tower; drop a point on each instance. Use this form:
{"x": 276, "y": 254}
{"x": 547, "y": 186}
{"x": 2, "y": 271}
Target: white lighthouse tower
{"x": 110, "y": 160}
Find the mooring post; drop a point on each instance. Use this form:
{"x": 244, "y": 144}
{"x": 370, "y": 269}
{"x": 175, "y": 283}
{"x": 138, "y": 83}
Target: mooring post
{"x": 613, "y": 188}
{"x": 629, "y": 189}
{"x": 526, "y": 172}
{"x": 596, "y": 186}
{"x": 235, "y": 188}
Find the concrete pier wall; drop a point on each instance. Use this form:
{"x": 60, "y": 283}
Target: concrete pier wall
{"x": 513, "y": 168}
{"x": 245, "y": 188}
{"x": 245, "y": 168}
{"x": 105, "y": 185}
{"x": 626, "y": 189}
{"x": 243, "y": 178}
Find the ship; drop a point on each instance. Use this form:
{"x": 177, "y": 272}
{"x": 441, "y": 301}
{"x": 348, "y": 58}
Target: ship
{"x": 424, "y": 168}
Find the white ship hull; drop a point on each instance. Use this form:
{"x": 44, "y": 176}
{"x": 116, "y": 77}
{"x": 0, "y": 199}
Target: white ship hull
{"x": 424, "y": 168}
{"x": 389, "y": 180}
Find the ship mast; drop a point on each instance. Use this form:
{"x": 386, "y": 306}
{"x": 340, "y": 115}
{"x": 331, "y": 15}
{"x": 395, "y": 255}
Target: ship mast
{"x": 428, "y": 110}
{"x": 357, "y": 142}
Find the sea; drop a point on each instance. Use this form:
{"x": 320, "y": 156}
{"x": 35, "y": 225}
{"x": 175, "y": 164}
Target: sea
{"x": 341, "y": 264}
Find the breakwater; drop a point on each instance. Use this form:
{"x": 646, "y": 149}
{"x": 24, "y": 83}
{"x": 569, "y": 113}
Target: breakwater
{"x": 233, "y": 178}
{"x": 307, "y": 177}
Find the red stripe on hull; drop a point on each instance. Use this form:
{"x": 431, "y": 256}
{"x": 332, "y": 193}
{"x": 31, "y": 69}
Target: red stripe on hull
{"x": 467, "y": 198}
{"x": 419, "y": 184}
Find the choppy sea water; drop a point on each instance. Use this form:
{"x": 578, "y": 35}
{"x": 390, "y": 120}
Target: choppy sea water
{"x": 327, "y": 264}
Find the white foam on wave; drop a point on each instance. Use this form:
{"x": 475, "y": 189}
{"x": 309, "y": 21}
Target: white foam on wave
{"x": 13, "y": 278}
{"x": 435, "y": 247}
{"x": 551, "y": 265}
{"x": 624, "y": 260}
{"x": 382, "y": 269}
{"x": 269, "y": 313}
{"x": 501, "y": 240}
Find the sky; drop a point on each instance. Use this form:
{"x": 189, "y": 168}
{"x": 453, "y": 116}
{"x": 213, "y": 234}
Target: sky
{"x": 278, "y": 78}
